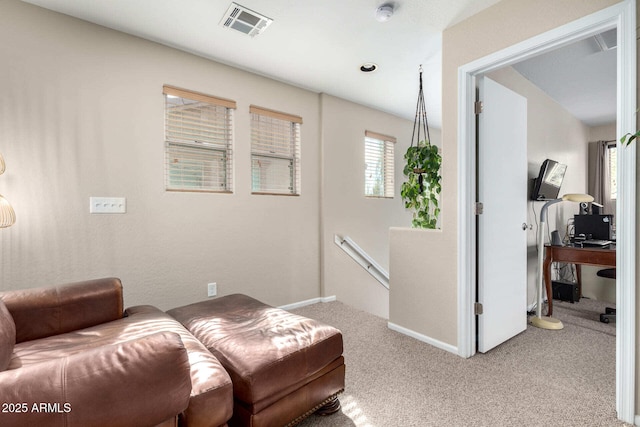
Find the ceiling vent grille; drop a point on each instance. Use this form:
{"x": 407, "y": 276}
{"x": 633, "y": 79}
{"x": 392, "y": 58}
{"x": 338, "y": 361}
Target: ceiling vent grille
{"x": 607, "y": 40}
{"x": 245, "y": 20}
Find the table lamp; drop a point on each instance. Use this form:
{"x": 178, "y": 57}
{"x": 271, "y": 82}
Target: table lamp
{"x": 539, "y": 321}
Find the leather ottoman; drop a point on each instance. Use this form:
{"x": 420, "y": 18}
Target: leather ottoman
{"x": 283, "y": 367}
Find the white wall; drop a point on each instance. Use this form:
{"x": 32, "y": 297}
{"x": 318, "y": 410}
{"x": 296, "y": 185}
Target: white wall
{"x": 82, "y": 114}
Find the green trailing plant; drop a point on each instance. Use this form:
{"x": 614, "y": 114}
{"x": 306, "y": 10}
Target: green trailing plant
{"x": 421, "y": 191}
{"x": 629, "y": 138}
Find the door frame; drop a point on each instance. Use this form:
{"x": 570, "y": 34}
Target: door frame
{"x": 623, "y": 17}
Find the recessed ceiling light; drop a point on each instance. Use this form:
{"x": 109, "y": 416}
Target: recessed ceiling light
{"x": 368, "y": 67}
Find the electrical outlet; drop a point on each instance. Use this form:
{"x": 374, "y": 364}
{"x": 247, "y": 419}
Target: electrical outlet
{"x": 212, "y": 289}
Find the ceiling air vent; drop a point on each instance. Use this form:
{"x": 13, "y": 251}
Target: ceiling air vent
{"x": 607, "y": 40}
{"x": 245, "y": 20}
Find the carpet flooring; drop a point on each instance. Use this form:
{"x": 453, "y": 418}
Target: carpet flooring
{"x": 538, "y": 378}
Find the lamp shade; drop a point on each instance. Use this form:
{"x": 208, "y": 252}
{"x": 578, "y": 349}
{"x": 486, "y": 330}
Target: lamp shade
{"x": 7, "y": 214}
{"x": 2, "y": 166}
{"x": 579, "y": 198}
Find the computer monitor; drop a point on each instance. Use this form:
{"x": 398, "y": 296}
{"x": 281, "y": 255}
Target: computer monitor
{"x": 599, "y": 227}
{"x": 547, "y": 185}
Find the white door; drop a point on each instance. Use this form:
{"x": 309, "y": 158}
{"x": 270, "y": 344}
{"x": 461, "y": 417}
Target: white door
{"x": 502, "y": 190}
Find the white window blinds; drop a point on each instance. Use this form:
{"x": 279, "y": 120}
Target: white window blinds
{"x": 275, "y": 152}
{"x": 613, "y": 171}
{"x": 198, "y": 141}
{"x": 379, "y": 170}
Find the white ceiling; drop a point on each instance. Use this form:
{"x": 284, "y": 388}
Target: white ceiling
{"x": 316, "y": 45}
{"x": 581, "y": 77}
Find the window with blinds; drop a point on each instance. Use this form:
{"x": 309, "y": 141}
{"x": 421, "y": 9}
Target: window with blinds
{"x": 379, "y": 170}
{"x": 613, "y": 171}
{"x": 275, "y": 152}
{"x": 198, "y": 141}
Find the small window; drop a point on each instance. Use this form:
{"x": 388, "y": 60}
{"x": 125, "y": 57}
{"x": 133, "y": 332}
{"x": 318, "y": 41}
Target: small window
{"x": 198, "y": 141}
{"x": 379, "y": 170}
{"x": 275, "y": 152}
{"x": 613, "y": 171}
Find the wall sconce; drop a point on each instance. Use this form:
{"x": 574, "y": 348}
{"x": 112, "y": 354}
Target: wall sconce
{"x": 7, "y": 214}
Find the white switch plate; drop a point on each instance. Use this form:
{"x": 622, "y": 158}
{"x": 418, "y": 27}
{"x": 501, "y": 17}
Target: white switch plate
{"x": 212, "y": 289}
{"x": 107, "y": 205}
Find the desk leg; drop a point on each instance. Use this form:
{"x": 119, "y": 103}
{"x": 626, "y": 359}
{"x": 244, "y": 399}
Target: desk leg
{"x": 546, "y": 268}
{"x": 579, "y": 278}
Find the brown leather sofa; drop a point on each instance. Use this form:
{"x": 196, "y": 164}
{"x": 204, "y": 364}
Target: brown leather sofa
{"x": 70, "y": 356}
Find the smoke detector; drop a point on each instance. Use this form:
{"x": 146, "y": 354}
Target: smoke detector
{"x": 245, "y": 20}
{"x": 384, "y": 12}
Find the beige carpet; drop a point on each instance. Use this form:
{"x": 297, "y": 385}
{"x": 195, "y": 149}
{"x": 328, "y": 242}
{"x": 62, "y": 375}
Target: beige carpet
{"x": 538, "y": 378}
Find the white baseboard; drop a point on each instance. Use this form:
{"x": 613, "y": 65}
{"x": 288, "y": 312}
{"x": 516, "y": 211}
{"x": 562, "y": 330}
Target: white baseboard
{"x": 299, "y": 304}
{"x": 439, "y": 344}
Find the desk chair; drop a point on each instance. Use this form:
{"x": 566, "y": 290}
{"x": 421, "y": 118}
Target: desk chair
{"x": 610, "y": 313}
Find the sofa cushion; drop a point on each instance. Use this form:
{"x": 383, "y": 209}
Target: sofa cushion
{"x": 141, "y": 382}
{"x": 7, "y": 336}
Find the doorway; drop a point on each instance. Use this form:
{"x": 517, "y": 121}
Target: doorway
{"x": 622, "y": 17}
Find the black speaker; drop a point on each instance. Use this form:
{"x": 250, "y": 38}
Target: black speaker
{"x": 584, "y": 208}
{"x": 565, "y": 291}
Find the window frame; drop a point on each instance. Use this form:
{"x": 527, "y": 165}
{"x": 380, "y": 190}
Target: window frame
{"x": 199, "y": 154}
{"x": 388, "y": 164}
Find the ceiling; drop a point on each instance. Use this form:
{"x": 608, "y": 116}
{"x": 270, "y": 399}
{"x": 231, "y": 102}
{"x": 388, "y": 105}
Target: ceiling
{"x": 318, "y": 45}
{"x": 581, "y": 77}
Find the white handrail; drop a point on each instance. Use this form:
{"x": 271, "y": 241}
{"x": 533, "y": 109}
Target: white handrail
{"x": 362, "y": 258}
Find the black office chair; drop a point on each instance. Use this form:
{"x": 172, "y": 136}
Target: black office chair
{"x": 610, "y": 313}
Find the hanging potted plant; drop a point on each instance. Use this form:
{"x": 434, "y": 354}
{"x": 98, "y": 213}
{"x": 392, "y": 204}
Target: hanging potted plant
{"x": 421, "y": 191}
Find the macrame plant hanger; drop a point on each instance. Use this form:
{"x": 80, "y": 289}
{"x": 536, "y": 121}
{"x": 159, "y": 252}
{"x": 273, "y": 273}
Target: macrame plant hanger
{"x": 420, "y": 124}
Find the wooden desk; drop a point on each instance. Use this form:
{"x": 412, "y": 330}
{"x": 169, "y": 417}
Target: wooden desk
{"x": 577, "y": 256}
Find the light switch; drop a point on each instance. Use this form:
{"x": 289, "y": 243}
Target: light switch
{"x": 107, "y": 205}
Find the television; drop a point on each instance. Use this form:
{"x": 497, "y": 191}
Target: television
{"x": 547, "y": 185}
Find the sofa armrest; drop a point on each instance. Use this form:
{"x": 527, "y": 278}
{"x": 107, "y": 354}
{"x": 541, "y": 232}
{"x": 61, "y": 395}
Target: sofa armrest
{"x": 141, "y": 382}
{"x": 43, "y": 312}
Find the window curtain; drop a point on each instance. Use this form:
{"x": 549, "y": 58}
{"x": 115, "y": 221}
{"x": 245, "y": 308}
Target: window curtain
{"x": 599, "y": 184}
